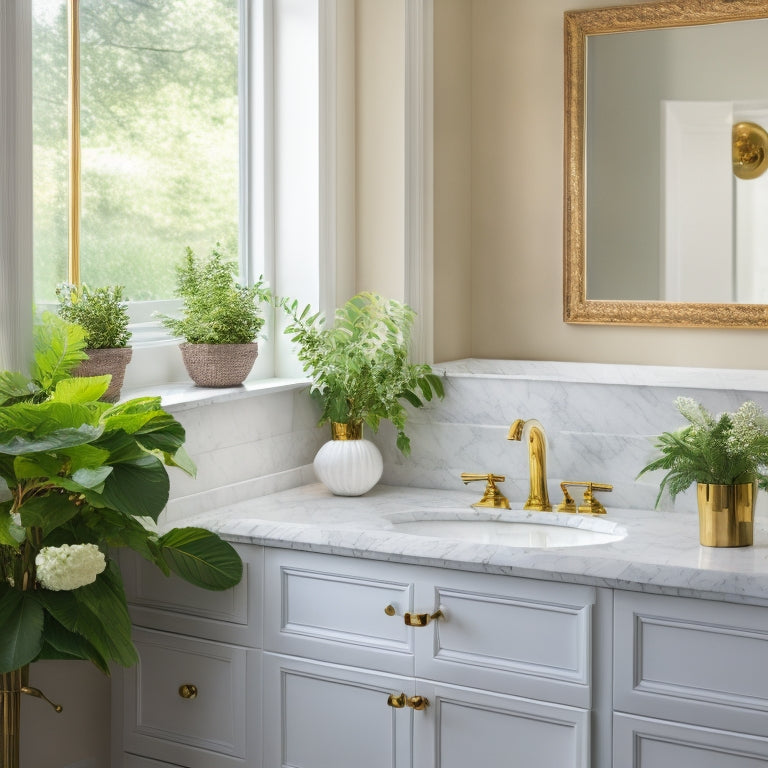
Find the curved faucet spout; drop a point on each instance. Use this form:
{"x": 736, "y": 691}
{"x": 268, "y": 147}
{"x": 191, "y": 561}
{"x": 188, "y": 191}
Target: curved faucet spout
{"x": 532, "y": 431}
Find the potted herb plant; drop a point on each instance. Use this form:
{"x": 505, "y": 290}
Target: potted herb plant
{"x": 360, "y": 374}
{"x": 220, "y": 320}
{"x": 726, "y": 456}
{"x": 103, "y": 313}
{"x": 85, "y": 477}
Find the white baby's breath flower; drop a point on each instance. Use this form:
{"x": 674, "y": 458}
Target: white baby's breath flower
{"x": 69, "y": 566}
{"x": 694, "y": 412}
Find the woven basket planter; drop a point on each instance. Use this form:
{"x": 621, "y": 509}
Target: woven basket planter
{"x": 219, "y": 365}
{"x": 102, "y": 361}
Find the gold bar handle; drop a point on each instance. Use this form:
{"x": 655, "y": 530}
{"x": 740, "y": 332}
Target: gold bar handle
{"x": 188, "y": 691}
{"x": 396, "y": 700}
{"x": 422, "y": 619}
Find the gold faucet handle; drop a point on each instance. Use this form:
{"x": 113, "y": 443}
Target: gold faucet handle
{"x": 492, "y": 496}
{"x": 590, "y": 505}
{"x": 567, "y": 504}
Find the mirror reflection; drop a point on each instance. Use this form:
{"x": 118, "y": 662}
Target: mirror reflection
{"x": 666, "y": 152}
{"x": 667, "y": 218}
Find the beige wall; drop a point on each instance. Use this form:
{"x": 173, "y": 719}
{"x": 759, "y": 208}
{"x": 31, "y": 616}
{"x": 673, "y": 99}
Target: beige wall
{"x": 380, "y": 132}
{"x": 515, "y": 258}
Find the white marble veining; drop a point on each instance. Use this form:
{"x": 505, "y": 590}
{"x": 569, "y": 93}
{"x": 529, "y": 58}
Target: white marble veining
{"x": 600, "y": 420}
{"x": 660, "y": 552}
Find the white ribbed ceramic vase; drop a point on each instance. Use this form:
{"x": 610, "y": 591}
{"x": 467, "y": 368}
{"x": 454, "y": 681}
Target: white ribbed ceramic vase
{"x": 348, "y": 465}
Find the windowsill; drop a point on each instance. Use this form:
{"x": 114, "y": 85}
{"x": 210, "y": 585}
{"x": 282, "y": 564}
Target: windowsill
{"x": 182, "y": 396}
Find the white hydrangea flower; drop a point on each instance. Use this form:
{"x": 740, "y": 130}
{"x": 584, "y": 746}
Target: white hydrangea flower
{"x": 69, "y": 566}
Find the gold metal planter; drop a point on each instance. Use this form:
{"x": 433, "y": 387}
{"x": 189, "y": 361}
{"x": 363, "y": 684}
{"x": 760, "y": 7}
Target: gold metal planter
{"x": 726, "y": 514}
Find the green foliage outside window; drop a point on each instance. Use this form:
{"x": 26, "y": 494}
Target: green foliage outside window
{"x": 159, "y": 128}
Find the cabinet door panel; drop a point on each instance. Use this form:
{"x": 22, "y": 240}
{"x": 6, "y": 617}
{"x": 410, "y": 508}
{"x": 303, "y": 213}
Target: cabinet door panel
{"x": 505, "y": 634}
{"x": 471, "y": 728}
{"x": 694, "y": 661}
{"x": 645, "y": 743}
{"x": 324, "y": 716}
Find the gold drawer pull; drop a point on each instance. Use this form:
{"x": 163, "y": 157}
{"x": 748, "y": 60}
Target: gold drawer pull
{"x": 188, "y": 691}
{"x": 390, "y": 610}
{"x": 396, "y": 700}
{"x": 400, "y": 700}
{"x": 422, "y": 619}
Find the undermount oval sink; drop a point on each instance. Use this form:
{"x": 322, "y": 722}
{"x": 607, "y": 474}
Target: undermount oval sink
{"x": 511, "y": 529}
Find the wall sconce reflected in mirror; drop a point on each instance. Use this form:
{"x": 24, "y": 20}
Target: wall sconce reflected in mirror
{"x": 750, "y": 150}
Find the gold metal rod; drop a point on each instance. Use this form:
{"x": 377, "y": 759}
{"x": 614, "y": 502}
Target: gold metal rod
{"x": 73, "y": 24}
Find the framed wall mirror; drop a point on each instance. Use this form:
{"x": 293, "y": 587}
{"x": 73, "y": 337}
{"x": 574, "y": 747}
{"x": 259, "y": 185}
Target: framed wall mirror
{"x": 666, "y": 153}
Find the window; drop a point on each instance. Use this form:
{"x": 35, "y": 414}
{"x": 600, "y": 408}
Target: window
{"x": 274, "y": 210}
{"x": 158, "y": 139}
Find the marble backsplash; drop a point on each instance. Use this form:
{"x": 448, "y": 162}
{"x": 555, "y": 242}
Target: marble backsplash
{"x": 600, "y": 422}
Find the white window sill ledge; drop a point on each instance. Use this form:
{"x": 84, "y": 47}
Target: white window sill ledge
{"x": 182, "y": 396}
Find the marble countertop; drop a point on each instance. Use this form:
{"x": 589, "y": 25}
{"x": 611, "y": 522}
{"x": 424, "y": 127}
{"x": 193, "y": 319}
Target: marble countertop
{"x": 660, "y": 552}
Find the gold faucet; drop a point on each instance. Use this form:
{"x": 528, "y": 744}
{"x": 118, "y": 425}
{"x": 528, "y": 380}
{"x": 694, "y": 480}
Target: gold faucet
{"x": 531, "y": 430}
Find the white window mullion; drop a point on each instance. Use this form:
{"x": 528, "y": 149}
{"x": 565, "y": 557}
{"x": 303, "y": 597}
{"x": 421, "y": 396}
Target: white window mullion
{"x": 15, "y": 184}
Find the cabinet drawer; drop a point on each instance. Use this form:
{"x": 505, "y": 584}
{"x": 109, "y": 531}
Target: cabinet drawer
{"x": 171, "y": 604}
{"x": 210, "y": 729}
{"x": 693, "y": 661}
{"x": 335, "y": 609}
{"x": 645, "y": 743}
{"x": 506, "y": 634}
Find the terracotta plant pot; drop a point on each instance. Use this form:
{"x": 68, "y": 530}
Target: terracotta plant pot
{"x": 219, "y": 365}
{"x": 102, "y": 361}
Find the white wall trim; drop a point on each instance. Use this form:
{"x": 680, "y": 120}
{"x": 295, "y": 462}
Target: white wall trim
{"x": 419, "y": 172}
{"x": 15, "y": 184}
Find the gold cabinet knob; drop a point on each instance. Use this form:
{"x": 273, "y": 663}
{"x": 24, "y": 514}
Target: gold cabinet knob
{"x": 422, "y": 619}
{"x": 390, "y": 610}
{"x": 418, "y": 702}
{"x": 188, "y": 691}
{"x": 396, "y": 700}
{"x": 400, "y": 700}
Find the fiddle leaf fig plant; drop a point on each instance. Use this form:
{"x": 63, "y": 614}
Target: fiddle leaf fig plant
{"x": 85, "y": 478}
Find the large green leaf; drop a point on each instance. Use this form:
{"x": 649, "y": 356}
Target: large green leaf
{"x": 58, "y": 349}
{"x": 21, "y": 629}
{"x": 85, "y": 457}
{"x": 138, "y": 488}
{"x": 47, "y": 512}
{"x": 62, "y": 643}
{"x": 43, "y": 418}
{"x": 97, "y": 612}
{"x": 15, "y": 445}
{"x": 132, "y": 415}
{"x": 201, "y": 558}
{"x": 10, "y": 534}
{"x": 37, "y": 465}
{"x": 182, "y": 460}
{"x": 84, "y": 389}
{"x": 15, "y": 386}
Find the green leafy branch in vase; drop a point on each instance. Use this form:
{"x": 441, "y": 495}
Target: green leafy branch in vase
{"x": 359, "y": 366}
{"x": 85, "y": 478}
{"x": 727, "y": 449}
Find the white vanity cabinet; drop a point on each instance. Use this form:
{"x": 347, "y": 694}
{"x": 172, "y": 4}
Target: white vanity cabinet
{"x": 690, "y": 683}
{"x": 506, "y": 666}
{"x": 194, "y": 698}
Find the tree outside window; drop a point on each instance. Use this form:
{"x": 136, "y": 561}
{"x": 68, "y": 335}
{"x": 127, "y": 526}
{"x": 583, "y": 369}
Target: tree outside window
{"x": 159, "y": 139}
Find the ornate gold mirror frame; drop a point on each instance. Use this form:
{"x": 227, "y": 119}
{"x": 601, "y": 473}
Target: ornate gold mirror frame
{"x": 600, "y": 21}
